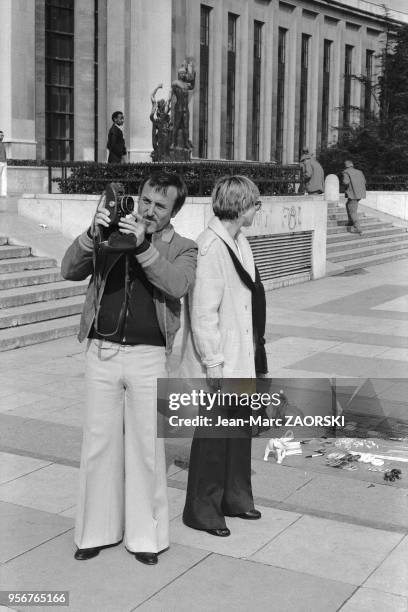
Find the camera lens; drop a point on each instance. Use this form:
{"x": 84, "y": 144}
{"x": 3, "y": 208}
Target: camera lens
{"x": 127, "y": 205}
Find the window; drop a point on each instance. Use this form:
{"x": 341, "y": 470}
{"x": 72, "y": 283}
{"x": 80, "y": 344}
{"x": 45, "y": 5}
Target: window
{"x": 256, "y": 88}
{"x": 368, "y": 100}
{"x": 231, "y": 67}
{"x": 59, "y": 79}
{"x": 304, "y": 71}
{"x": 348, "y": 61}
{"x": 280, "y": 102}
{"x": 204, "y": 72}
{"x": 327, "y": 47}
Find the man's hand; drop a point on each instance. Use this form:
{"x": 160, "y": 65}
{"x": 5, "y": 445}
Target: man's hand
{"x": 102, "y": 216}
{"x": 133, "y": 224}
{"x": 214, "y": 377}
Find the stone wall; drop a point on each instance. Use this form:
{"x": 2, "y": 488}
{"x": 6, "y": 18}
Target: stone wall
{"x": 72, "y": 214}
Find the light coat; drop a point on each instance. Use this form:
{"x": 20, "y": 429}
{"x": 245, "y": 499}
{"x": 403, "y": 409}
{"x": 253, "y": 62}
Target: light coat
{"x": 219, "y": 309}
{"x": 313, "y": 173}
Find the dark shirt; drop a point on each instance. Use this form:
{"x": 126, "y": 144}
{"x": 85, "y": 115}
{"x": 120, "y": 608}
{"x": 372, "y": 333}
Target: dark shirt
{"x": 132, "y": 320}
{"x": 115, "y": 145}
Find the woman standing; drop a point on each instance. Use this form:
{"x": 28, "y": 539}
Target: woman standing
{"x": 219, "y": 343}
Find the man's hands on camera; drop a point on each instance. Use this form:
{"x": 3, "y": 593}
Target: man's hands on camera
{"x": 214, "y": 377}
{"x": 133, "y": 224}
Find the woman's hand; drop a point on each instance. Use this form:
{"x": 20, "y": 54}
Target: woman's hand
{"x": 214, "y": 377}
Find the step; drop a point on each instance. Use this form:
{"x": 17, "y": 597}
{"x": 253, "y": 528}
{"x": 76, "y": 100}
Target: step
{"x": 337, "y": 229}
{"x": 363, "y": 252}
{"x": 364, "y": 221}
{"x": 341, "y": 214}
{"x": 343, "y": 236}
{"x": 40, "y": 311}
{"x": 365, "y": 241}
{"x": 29, "y": 277}
{"x": 35, "y": 333}
{"x": 10, "y": 298}
{"x": 26, "y": 263}
{"x": 373, "y": 260}
{"x": 8, "y": 251}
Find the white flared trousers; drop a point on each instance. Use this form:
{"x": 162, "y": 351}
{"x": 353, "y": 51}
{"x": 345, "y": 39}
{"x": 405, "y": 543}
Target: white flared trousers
{"x": 122, "y": 479}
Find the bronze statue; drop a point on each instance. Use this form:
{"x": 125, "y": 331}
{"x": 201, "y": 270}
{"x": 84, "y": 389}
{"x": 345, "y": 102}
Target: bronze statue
{"x": 161, "y": 127}
{"x": 180, "y": 88}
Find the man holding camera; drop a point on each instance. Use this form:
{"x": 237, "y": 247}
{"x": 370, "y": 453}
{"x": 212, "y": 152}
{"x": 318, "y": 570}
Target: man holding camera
{"x": 130, "y": 317}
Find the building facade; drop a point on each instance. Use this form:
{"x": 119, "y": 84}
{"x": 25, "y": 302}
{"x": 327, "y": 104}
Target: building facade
{"x": 272, "y": 76}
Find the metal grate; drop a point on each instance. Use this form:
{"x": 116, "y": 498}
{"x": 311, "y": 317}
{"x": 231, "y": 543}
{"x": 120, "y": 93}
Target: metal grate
{"x": 282, "y": 255}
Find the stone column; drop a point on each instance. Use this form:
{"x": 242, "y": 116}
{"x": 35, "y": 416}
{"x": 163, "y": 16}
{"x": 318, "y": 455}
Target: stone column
{"x": 150, "y": 51}
{"x": 84, "y": 100}
{"x": 292, "y": 78}
{"x": 117, "y": 14}
{"x": 17, "y": 77}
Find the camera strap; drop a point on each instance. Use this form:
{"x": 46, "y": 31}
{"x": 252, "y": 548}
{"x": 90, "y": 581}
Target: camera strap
{"x": 124, "y": 307}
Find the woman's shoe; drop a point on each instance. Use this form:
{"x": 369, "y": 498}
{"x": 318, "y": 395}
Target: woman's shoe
{"x": 222, "y": 533}
{"x": 251, "y": 515}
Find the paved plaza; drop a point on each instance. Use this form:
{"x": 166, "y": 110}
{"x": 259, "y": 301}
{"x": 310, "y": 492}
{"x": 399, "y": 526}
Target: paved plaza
{"x": 328, "y": 539}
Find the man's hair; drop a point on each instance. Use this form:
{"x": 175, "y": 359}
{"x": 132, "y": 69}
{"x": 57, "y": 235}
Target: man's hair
{"x": 348, "y": 163}
{"x": 116, "y": 114}
{"x": 161, "y": 181}
{"x": 233, "y": 195}
{"x": 305, "y": 150}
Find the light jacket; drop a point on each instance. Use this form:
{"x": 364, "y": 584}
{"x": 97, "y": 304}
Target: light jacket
{"x": 313, "y": 173}
{"x": 219, "y": 309}
{"x": 169, "y": 264}
{"x": 355, "y": 183}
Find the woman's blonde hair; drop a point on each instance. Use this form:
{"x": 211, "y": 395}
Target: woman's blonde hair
{"x": 233, "y": 195}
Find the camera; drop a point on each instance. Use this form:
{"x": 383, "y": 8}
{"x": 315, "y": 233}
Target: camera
{"x": 118, "y": 204}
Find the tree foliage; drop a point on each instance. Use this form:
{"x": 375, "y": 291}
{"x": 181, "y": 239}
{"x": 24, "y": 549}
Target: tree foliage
{"x": 379, "y": 144}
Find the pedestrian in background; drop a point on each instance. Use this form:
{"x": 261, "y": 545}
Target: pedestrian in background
{"x": 116, "y": 141}
{"x": 313, "y": 173}
{"x": 355, "y": 183}
{"x": 3, "y": 154}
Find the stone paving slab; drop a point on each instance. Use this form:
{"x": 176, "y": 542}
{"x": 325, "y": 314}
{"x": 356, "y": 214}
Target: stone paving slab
{"x": 370, "y": 600}
{"x": 329, "y": 549}
{"x": 40, "y": 439}
{"x": 14, "y": 466}
{"x": 112, "y": 582}
{"x": 392, "y": 575}
{"x": 50, "y": 489}
{"x": 355, "y": 499}
{"x": 347, "y": 365}
{"x": 222, "y": 583}
{"x": 246, "y": 536}
{"x": 22, "y": 529}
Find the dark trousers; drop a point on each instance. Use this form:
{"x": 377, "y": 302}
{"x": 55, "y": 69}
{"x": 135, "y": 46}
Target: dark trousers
{"x": 219, "y": 480}
{"x": 351, "y": 207}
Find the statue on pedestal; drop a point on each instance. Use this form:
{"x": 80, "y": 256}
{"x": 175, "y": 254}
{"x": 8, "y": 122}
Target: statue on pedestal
{"x": 180, "y": 88}
{"x": 161, "y": 127}
{"x": 171, "y": 118}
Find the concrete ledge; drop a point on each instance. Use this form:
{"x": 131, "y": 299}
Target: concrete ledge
{"x": 72, "y": 214}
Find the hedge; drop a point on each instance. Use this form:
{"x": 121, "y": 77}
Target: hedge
{"x": 91, "y": 178}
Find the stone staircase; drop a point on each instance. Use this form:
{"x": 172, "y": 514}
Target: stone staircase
{"x": 36, "y": 304}
{"x": 381, "y": 240}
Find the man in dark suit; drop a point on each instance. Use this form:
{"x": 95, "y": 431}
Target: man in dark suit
{"x": 116, "y": 142}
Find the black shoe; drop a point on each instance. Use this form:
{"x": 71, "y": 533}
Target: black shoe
{"x": 251, "y": 515}
{"x": 147, "y": 557}
{"x": 82, "y": 554}
{"x": 222, "y": 533}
